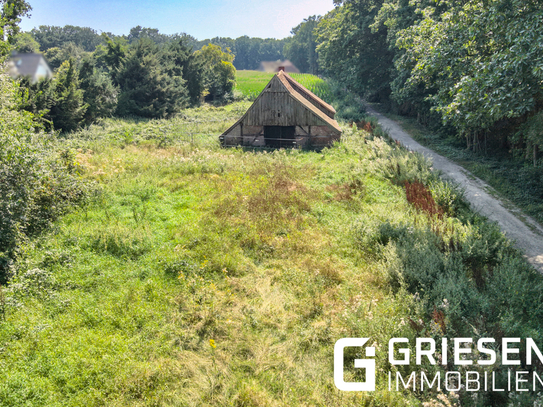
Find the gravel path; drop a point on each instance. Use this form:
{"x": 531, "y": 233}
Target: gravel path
{"x": 528, "y": 238}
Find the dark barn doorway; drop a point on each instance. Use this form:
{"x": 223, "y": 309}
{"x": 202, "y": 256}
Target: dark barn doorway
{"x": 279, "y": 136}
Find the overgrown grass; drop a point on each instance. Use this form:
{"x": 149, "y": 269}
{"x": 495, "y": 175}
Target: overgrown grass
{"x": 196, "y": 275}
{"x": 514, "y": 178}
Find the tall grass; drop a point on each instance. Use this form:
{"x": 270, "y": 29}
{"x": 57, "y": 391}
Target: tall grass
{"x": 196, "y": 275}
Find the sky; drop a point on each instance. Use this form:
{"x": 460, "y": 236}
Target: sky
{"x": 200, "y": 18}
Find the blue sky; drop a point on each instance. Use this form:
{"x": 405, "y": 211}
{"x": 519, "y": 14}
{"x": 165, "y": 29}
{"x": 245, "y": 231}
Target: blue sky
{"x": 199, "y": 18}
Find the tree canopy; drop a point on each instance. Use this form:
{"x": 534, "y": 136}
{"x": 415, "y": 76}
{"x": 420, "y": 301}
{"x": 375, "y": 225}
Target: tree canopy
{"x": 473, "y": 65}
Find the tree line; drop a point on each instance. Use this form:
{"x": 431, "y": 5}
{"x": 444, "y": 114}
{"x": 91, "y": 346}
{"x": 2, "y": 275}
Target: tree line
{"x": 144, "y": 74}
{"x": 463, "y": 67}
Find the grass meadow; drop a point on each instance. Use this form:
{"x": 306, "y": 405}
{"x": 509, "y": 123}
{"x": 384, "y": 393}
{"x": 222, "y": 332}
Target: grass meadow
{"x": 200, "y": 276}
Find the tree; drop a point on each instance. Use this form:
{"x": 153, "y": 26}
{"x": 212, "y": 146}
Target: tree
{"x": 57, "y": 37}
{"x": 99, "y": 93}
{"x": 249, "y": 52}
{"x": 219, "y": 72}
{"x": 179, "y": 60}
{"x": 481, "y": 62}
{"x": 68, "y": 109}
{"x": 37, "y": 98}
{"x": 25, "y": 43}
{"x": 139, "y": 32}
{"x": 146, "y": 90}
{"x": 12, "y": 11}
{"x": 111, "y": 55}
{"x": 57, "y": 56}
{"x": 301, "y": 48}
{"x": 351, "y": 52}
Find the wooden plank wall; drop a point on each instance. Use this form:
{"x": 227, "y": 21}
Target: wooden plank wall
{"x": 280, "y": 109}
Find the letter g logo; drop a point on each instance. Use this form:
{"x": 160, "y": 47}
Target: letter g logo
{"x": 368, "y": 364}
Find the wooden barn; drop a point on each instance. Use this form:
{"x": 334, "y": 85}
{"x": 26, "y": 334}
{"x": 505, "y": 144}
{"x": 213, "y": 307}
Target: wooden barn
{"x": 285, "y": 114}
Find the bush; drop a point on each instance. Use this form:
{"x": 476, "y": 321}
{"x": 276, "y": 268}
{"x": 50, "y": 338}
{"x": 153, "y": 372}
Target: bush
{"x": 38, "y": 181}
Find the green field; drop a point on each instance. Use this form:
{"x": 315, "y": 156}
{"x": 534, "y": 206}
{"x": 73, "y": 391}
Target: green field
{"x": 251, "y": 83}
{"x": 193, "y": 275}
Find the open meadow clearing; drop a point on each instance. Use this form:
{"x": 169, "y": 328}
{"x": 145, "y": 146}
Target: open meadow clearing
{"x": 195, "y": 275}
{"x": 179, "y": 229}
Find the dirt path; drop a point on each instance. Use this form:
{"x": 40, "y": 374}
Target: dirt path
{"x": 528, "y": 238}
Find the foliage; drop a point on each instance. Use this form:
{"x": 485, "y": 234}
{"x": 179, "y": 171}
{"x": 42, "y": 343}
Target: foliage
{"x": 249, "y": 52}
{"x": 139, "y": 32}
{"x": 57, "y": 56}
{"x": 300, "y": 49}
{"x": 99, "y": 94}
{"x": 25, "y": 43}
{"x": 67, "y": 112}
{"x": 472, "y": 68}
{"x": 219, "y": 73}
{"x": 145, "y": 89}
{"x": 39, "y": 183}
{"x": 11, "y": 13}
{"x": 351, "y": 53}
{"x": 58, "y": 37}
{"x": 482, "y": 79}
{"x": 111, "y": 55}
{"x": 37, "y": 98}
{"x": 178, "y": 59}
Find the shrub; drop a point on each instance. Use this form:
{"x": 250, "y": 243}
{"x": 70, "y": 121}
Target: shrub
{"x": 39, "y": 182}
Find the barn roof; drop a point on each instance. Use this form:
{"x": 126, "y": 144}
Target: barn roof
{"x": 304, "y": 96}
{"x": 288, "y": 80}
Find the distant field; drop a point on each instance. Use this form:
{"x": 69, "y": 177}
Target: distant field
{"x": 251, "y": 83}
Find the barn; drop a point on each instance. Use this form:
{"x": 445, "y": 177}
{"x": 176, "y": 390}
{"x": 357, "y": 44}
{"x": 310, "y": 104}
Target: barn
{"x": 285, "y": 114}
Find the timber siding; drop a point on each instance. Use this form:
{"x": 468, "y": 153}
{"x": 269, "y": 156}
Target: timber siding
{"x": 285, "y": 103}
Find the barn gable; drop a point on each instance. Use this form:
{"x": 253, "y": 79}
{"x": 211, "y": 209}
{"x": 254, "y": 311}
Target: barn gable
{"x": 285, "y": 114}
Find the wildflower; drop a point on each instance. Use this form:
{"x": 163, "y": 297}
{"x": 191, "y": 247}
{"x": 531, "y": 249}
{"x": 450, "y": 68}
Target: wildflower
{"x": 212, "y": 343}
